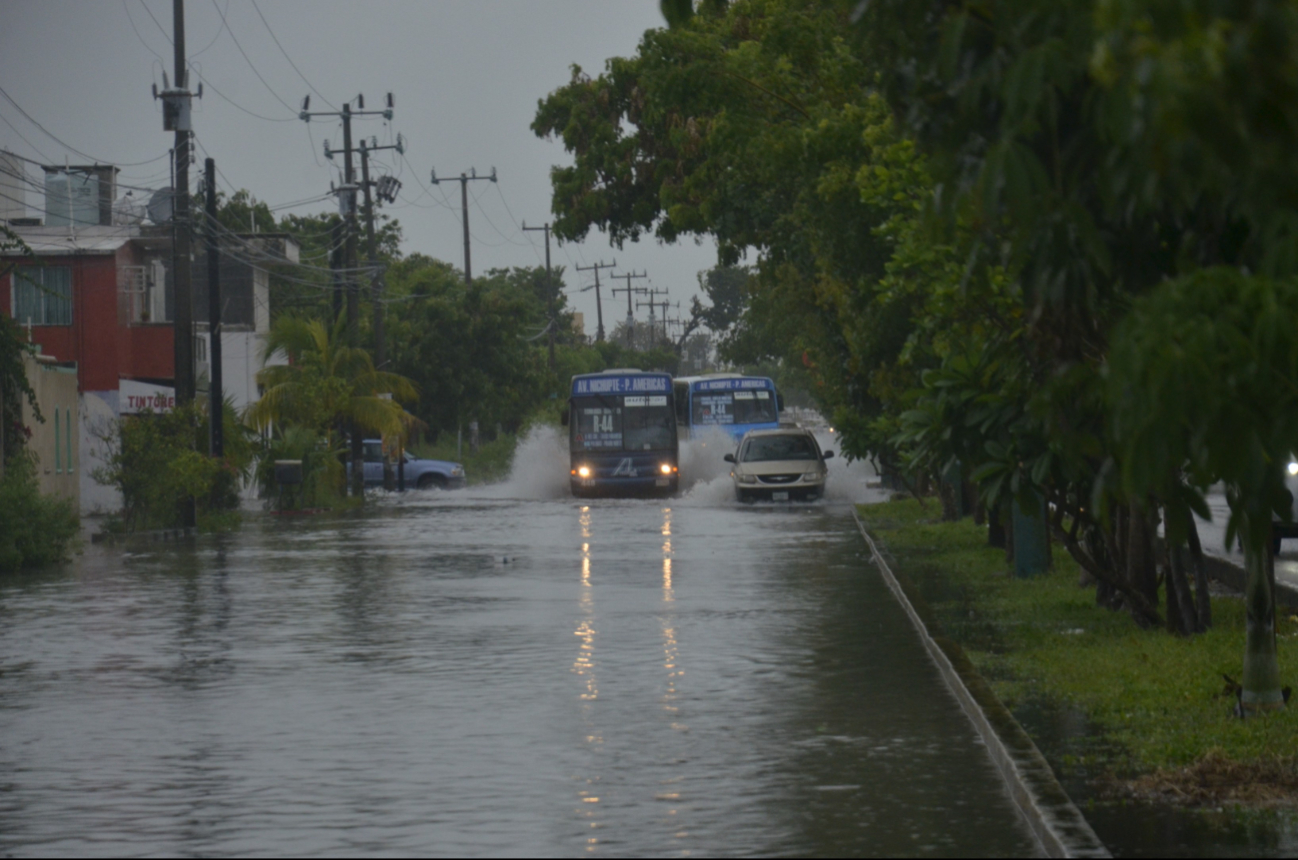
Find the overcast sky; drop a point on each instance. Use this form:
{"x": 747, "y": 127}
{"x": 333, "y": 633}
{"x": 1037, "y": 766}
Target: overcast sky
{"x": 466, "y": 77}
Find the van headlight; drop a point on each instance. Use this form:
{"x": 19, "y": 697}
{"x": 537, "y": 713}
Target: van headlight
{"x": 746, "y": 479}
{"x": 812, "y": 476}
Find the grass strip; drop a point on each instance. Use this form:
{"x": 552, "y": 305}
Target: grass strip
{"x": 1154, "y": 700}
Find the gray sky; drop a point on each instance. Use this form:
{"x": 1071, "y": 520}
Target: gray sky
{"x": 466, "y": 77}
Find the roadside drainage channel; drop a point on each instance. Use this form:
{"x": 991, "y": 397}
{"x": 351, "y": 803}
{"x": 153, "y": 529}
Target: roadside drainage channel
{"x": 1050, "y": 813}
{"x": 143, "y": 537}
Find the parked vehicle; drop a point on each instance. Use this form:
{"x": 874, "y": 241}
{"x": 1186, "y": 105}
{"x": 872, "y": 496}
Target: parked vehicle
{"x": 420, "y": 474}
{"x": 779, "y": 465}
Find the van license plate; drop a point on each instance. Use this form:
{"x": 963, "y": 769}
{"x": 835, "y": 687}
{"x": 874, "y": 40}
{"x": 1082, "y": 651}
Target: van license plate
{"x": 780, "y": 496}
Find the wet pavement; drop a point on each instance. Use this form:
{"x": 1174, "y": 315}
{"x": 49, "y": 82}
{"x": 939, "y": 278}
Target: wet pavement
{"x": 1212, "y": 534}
{"x": 496, "y": 671}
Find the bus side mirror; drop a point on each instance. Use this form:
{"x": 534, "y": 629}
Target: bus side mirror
{"x": 779, "y": 401}
{"x": 827, "y": 455}
{"x": 563, "y": 416}
{"x": 729, "y": 458}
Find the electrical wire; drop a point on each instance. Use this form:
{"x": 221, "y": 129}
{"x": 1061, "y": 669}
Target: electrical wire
{"x": 69, "y": 147}
{"x": 290, "y": 59}
{"x": 235, "y": 38}
{"x": 126, "y": 5}
{"x": 224, "y": 26}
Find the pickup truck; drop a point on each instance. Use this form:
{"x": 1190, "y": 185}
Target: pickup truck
{"x": 420, "y": 474}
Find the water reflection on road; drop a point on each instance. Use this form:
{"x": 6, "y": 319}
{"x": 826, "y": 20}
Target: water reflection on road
{"x": 487, "y": 674}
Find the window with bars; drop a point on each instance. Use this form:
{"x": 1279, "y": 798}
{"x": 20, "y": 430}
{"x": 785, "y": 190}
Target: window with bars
{"x": 42, "y": 295}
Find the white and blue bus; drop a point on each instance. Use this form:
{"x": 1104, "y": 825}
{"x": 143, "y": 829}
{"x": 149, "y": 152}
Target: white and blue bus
{"x": 622, "y": 434}
{"x": 726, "y": 401}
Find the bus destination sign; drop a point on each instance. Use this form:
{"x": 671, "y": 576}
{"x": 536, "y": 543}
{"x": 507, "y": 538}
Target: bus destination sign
{"x": 746, "y": 383}
{"x": 610, "y": 384}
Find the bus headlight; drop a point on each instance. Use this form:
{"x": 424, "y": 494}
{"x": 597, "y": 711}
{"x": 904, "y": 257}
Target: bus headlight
{"x": 1293, "y": 468}
{"x": 666, "y": 468}
{"x": 583, "y": 471}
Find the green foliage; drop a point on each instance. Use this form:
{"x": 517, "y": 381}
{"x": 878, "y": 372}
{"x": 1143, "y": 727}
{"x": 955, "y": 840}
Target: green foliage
{"x": 159, "y": 463}
{"x": 1157, "y": 699}
{"x": 1204, "y": 378}
{"x": 327, "y": 384}
{"x": 322, "y": 469}
{"x": 35, "y": 530}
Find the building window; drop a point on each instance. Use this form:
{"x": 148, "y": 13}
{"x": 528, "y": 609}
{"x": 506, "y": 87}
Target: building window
{"x": 42, "y": 295}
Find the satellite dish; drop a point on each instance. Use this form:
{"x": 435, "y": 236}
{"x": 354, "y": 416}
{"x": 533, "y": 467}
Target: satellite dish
{"x": 160, "y": 206}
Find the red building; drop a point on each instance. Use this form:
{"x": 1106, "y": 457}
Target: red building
{"x": 72, "y": 296}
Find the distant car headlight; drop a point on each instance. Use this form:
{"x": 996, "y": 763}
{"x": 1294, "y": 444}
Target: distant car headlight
{"x": 457, "y": 471}
{"x": 1293, "y": 468}
{"x": 746, "y": 479}
{"x": 583, "y": 471}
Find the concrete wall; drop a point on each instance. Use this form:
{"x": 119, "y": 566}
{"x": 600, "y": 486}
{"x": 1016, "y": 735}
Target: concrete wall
{"x": 56, "y": 441}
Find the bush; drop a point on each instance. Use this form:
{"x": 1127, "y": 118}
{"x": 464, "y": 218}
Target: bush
{"x": 158, "y": 466}
{"x": 322, "y": 471}
{"x": 35, "y": 529}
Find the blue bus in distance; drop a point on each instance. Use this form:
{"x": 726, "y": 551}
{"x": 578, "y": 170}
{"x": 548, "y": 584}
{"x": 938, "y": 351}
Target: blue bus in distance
{"x": 622, "y": 434}
{"x": 727, "y": 401}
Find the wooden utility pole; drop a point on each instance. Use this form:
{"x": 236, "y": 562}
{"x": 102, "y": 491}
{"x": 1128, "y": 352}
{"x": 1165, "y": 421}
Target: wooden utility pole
{"x": 176, "y": 116}
{"x": 347, "y": 205}
{"x": 599, "y": 305}
{"x": 464, "y": 180}
{"x": 630, "y": 292}
{"x": 651, "y": 304}
{"x": 215, "y": 415}
{"x": 551, "y": 288}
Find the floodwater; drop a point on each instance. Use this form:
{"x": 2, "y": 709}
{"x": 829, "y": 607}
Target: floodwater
{"x": 495, "y": 671}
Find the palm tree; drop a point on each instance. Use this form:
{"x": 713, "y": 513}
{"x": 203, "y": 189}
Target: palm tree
{"x": 328, "y": 386}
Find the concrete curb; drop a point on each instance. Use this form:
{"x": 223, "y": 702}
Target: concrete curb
{"x": 1050, "y": 813}
{"x": 1230, "y": 573}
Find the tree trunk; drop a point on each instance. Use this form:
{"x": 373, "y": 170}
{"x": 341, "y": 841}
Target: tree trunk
{"x": 996, "y": 529}
{"x": 1142, "y": 573}
{"x": 1261, "y": 678}
{"x": 1007, "y": 520}
{"x": 1180, "y": 608}
{"x": 1202, "y": 597}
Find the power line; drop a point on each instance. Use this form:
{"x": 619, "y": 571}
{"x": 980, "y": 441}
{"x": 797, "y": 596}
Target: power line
{"x": 235, "y": 38}
{"x": 68, "y": 146}
{"x": 290, "y": 59}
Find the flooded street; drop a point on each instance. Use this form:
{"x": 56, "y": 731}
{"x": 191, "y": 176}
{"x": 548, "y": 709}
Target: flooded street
{"x": 494, "y": 671}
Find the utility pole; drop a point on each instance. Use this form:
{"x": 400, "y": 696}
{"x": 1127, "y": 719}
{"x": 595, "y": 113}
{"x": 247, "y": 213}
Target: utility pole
{"x": 552, "y": 289}
{"x": 215, "y": 414}
{"x": 347, "y": 205}
{"x": 599, "y": 304}
{"x": 176, "y": 117}
{"x": 464, "y": 180}
{"x": 630, "y": 315}
{"x": 387, "y": 191}
{"x": 651, "y": 304}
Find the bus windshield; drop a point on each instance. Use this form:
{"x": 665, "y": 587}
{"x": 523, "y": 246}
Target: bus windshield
{"x": 734, "y": 407}
{"x": 623, "y": 422}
